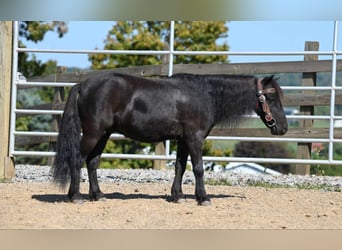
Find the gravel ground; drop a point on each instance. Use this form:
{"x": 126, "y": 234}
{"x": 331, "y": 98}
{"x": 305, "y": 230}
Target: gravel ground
{"x": 31, "y": 173}
{"x": 140, "y": 199}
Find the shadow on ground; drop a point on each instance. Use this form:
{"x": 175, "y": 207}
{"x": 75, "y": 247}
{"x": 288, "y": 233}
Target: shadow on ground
{"x": 53, "y": 198}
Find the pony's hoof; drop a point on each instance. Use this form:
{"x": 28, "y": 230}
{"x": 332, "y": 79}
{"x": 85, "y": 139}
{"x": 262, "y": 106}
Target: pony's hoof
{"x": 103, "y": 199}
{"x": 77, "y": 201}
{"x": 180, "y": 201}
{"x": 76, "y": 198}
{"x": 205, "y": 203}
{"x": 97, "y": 197}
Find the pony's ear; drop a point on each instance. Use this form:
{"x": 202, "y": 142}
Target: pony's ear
{"x": 270, "y": 78}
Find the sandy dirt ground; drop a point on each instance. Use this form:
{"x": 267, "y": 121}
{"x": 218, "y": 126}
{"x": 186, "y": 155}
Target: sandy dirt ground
{"x": 148, "y": 206}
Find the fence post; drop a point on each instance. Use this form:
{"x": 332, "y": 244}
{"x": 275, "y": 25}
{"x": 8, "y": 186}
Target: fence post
{"x": 7, "y": 170}
{"x": 58, "y": 97}
{"x": 308, "y": 79}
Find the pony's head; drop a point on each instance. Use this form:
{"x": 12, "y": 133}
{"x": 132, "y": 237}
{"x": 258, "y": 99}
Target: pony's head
{"x": 269, "y": 106}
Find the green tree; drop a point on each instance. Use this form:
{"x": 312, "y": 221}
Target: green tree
{"x": 132, "y": 35}
{"x": 189, "y": 36}
{"x": 35, "y": 31}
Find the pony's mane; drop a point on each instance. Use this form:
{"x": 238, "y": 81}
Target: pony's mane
{"x": 231, "y": 96}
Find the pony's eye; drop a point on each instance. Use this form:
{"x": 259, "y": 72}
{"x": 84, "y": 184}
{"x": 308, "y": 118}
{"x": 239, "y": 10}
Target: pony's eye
{"x": 270, "y": 97}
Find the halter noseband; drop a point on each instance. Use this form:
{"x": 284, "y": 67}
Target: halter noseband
{"x": 270, "y": 121}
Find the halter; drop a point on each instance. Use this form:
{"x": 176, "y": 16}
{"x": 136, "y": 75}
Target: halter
{"x": 270, "y": 121}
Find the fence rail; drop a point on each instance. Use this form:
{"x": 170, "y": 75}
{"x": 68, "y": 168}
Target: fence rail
{"x": 327, "y": 96}
{"x": 67, "y": 78}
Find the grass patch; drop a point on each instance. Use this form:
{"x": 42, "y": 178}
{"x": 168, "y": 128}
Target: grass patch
{"x": 5, "y": 181}
{"x": 218, "y": 182}
{"x": 252, "y": 183}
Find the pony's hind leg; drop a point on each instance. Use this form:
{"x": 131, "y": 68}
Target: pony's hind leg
{"x": 182, "y": 156}
{"x": 91, "y": 151}
{"x": 74, "y": 189}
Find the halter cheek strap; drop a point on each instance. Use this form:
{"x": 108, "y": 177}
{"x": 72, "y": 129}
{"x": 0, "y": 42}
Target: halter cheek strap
{"x": 270, "y": 121}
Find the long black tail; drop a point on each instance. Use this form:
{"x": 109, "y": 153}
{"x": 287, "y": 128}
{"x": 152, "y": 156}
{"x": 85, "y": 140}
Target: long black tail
{"x": 68, "y": 154}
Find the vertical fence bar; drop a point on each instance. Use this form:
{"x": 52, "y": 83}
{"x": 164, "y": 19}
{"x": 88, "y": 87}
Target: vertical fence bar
{"x": 333, "y": 92}
{"x": 161, "y": 147}
{"x": 171, "y": 49}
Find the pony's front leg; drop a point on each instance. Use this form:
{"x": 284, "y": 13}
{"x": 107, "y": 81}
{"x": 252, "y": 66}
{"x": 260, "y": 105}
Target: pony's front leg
{"x": 200, "y": 192}
{"x": 195, "y": 149}
{"x": 95, "y": 193}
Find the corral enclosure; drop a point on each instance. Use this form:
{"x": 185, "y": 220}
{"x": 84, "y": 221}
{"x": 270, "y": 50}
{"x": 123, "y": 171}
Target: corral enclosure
{"x": 309, "y": 127}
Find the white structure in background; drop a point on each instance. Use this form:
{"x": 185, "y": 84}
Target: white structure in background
{"x": 338, "y": 124}
{"x": 249, "y": 168}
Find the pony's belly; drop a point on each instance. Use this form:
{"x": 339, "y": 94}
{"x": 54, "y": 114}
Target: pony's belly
{"x": 152, "y": 132}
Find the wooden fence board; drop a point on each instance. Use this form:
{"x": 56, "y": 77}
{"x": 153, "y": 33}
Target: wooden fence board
{"x": 227, "y": 68}
{"x": 314, "y": 133}
{"x": 315, "y": 99}
{"x": 257, "y": 68}
{"x": 318, "y": 99}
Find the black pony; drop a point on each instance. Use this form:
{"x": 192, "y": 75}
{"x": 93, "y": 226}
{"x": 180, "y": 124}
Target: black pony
{"x": 184, "y": 107}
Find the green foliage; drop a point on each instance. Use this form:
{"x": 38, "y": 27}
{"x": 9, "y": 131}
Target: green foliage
{"x": 122, "y": 147}
{"x": 133, "y": 35}
{"x": 200, "y": 36}
{"x": 217, "y": 182}
{"x": 36, "y": 30}
{"x": 30, "y": 67}
{"x": 321, "y": 153}
{"x": 328, "y": 170}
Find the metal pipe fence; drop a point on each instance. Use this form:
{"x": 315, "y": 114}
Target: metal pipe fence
{"x": 171, "y": 53}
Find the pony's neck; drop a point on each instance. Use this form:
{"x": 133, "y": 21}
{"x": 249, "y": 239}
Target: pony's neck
{"x": 234, "y": 99}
